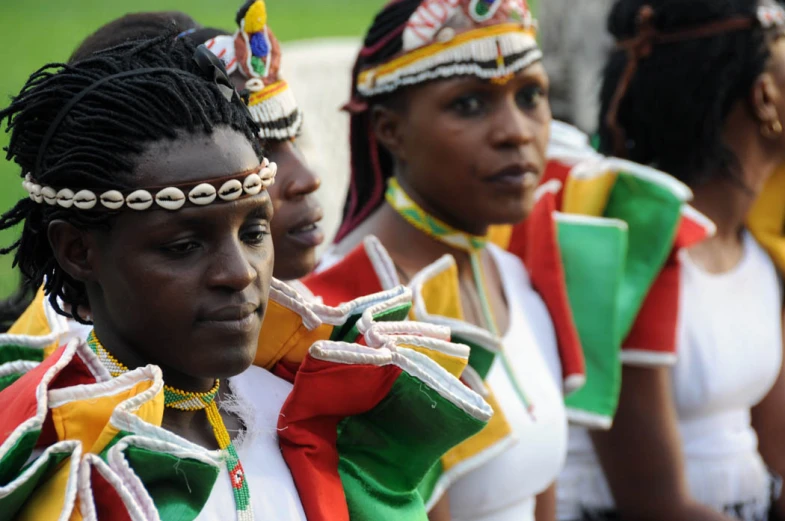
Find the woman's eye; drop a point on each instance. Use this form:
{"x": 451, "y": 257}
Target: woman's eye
{"x": 469, "y": 105}
{"x": 256, "y": 234}
{"x": 181, "y": 248}
{"x": 530, "y": 97}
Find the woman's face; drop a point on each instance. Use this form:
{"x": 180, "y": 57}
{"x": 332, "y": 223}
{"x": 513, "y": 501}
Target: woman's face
{"x": 295, "y": 229}
{"x": 187, "y": 289}
{"x": 472, "y": 151}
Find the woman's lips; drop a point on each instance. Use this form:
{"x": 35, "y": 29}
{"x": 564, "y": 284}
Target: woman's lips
{"x": 516, "y": 176}
{"x": 309, "y": 235}
{"x": 233, "y": 319}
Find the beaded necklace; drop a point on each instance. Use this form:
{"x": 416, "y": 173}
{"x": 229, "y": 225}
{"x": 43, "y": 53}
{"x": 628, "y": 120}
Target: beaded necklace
{"x": 400, "y": 201}
{"x": 189, "y": 401}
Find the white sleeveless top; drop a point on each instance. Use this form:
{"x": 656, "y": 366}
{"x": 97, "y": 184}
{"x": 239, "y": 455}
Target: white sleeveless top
{"x": 729, "y": 356}
{"x": 504, "y": 489}
{"x": 259, "y": 396}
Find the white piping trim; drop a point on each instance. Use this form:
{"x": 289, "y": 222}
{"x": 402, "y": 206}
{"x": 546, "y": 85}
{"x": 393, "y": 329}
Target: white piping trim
{"x": 676, "y": 187}
{"x": 589, "y": 419}
{"x": 643, "y": 358}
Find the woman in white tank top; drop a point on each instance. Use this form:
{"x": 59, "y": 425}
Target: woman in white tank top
{"x": 700, "y": 93}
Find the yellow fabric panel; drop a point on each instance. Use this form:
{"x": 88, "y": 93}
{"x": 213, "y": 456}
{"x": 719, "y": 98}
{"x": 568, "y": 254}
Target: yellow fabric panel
{"x": 766, "y": 220}
{"x": 497, "y": 430}
{"x": 284, "y": 337}
{"x": 88, "y": 420}
{"x": 48, "y": 500}
{"x": 500, "y": 235}
{"x": 451, "y": 363}
{"x": 442, "y": 294}
{"x": 588, "y": 196}
{"x": 33, "y": 322}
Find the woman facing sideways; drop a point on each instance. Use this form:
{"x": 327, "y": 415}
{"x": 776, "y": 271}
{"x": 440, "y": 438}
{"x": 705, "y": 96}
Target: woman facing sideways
{"x": 697, "y": 89}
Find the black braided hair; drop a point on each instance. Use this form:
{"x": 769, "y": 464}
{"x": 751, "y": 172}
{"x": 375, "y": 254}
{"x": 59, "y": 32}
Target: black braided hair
{"x": 98, "y": 143}
{"x": 134, "y": 27}
{"x": 674, "y": 110}
{"x": 372, "y": 164}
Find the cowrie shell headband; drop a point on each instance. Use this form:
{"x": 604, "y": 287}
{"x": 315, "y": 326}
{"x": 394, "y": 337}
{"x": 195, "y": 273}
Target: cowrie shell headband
{"x": 201, "y": 193}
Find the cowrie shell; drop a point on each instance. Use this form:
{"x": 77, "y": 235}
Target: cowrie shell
{"x": 112, "y": 199}
{"x": 202, "y": 194}
{"x": 50, "y": 195}
{"x": 231, "y": 190}
{"x": 139, "y": 200}
{"x": 265, "y": 162}
{"x": 170, "y": 198}
{"x": 252, "y": 184}
{"x": 85, "y": 199}
{"x": 65, "y": 198}
{"x": 35, "y": 193}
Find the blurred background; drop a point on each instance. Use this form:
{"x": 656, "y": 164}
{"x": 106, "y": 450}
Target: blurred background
{"x": 320, "y": 39}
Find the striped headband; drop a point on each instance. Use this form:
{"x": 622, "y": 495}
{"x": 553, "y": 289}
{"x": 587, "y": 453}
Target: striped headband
{"x": 490, "y": 39}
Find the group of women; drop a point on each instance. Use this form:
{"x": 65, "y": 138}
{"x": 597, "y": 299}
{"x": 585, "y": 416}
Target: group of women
{"x": 511, "y": 325}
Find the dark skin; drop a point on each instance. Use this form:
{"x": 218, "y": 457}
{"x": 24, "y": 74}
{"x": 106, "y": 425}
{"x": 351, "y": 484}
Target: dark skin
{"x": 470, "y": 152}
{"x": 296, "y": 231}
{"x": 184, "y": 290}
{"x": 642, "y": 455}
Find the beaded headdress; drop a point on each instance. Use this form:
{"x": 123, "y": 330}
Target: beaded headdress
{"x": 254, "y": 52}
{"x": 491, "y": 39}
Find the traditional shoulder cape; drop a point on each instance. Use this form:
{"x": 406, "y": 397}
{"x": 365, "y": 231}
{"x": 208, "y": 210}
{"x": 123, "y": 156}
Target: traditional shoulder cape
{"x": 370, "y": 413}
{"x": 766, "y": 220}
{"x": 600, "y": 249}
{"x": 602, "y": 243}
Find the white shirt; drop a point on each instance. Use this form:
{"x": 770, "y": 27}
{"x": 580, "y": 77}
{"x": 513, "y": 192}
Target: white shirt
{"x": 259, "y": 396}
{"x": 730, "y": 353}
{"x": 504, "y": 489}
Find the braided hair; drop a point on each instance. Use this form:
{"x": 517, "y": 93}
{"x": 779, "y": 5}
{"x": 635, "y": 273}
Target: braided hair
{"x": 134, "y": 27}
{"x": 97, "y": 144}
{"x": 372, "y": 165}
{"x": 674, "y": 109}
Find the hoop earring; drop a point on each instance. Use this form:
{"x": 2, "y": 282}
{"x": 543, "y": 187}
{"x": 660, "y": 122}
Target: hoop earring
{"x": 771, "y": 129}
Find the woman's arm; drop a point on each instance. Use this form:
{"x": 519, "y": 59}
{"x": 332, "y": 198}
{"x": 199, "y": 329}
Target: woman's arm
{"x": 641, "y": 455}
{"x": 768, "y": 421}
{"x": 546, "y": 505}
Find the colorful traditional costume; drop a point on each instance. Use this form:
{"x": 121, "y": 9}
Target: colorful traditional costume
{"x": 345, "y": 410}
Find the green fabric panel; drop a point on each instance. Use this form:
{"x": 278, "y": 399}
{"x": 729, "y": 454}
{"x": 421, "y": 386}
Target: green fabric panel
{"x": 428, "y": 484}
{"x": 652, "y": 213}
{"x": 10, "y": 504}
{"x": 16, "y": 457}
{"x": 179, "y": 487}
{"x": 480, "y": 358}
{"x": 349, "y": 332}
{"x": 387, "y": 452}
{"x": 593, "y": 257}
{"x": 7, "y": 380}
{"x": 14, "y": 353}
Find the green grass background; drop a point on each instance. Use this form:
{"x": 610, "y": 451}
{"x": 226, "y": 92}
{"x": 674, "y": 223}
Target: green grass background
{"x": 36, "y": 32}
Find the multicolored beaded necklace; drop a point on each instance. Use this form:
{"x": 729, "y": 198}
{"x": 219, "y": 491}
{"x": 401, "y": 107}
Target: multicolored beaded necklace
{"x": 188, "y": 401}
{"x": 400, "y": 201}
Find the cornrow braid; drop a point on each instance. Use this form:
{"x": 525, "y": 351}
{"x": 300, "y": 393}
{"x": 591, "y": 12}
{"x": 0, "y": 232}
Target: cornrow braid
{"x": 372, "y": 165}
{"x": 97, "y": 143}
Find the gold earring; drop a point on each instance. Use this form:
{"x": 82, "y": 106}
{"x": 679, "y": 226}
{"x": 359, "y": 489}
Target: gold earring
{"x": 771, "y": 129}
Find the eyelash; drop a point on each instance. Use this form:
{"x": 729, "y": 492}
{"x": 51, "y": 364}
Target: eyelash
{"x": 252, "y": 235}
{"x": 528, "y": 98}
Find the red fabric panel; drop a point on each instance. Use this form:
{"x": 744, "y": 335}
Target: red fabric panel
{"x": 108, "y": 504}
{"x": 542, "y": 257}
{"x": 654, "y": 329}
{"x": 352, "y": 278}
{"x": 555, "y": 169}
{"x": 655, "y": 326}
{"x": 19, "y": 399}
{"x": 325, "y": 393}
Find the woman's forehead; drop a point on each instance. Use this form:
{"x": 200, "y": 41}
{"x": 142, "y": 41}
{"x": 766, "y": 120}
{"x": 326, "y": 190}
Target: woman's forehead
{"x": 192, "y": 157}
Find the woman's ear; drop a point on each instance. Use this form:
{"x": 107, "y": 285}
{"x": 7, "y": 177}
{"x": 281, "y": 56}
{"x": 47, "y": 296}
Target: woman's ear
{"x": 387, "y": 125}
{"x": 766, "y": 101}
{"x": 73, "y": 249}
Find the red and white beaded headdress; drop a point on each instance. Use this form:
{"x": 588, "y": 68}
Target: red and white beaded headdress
{"x": 491, "y": 39}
